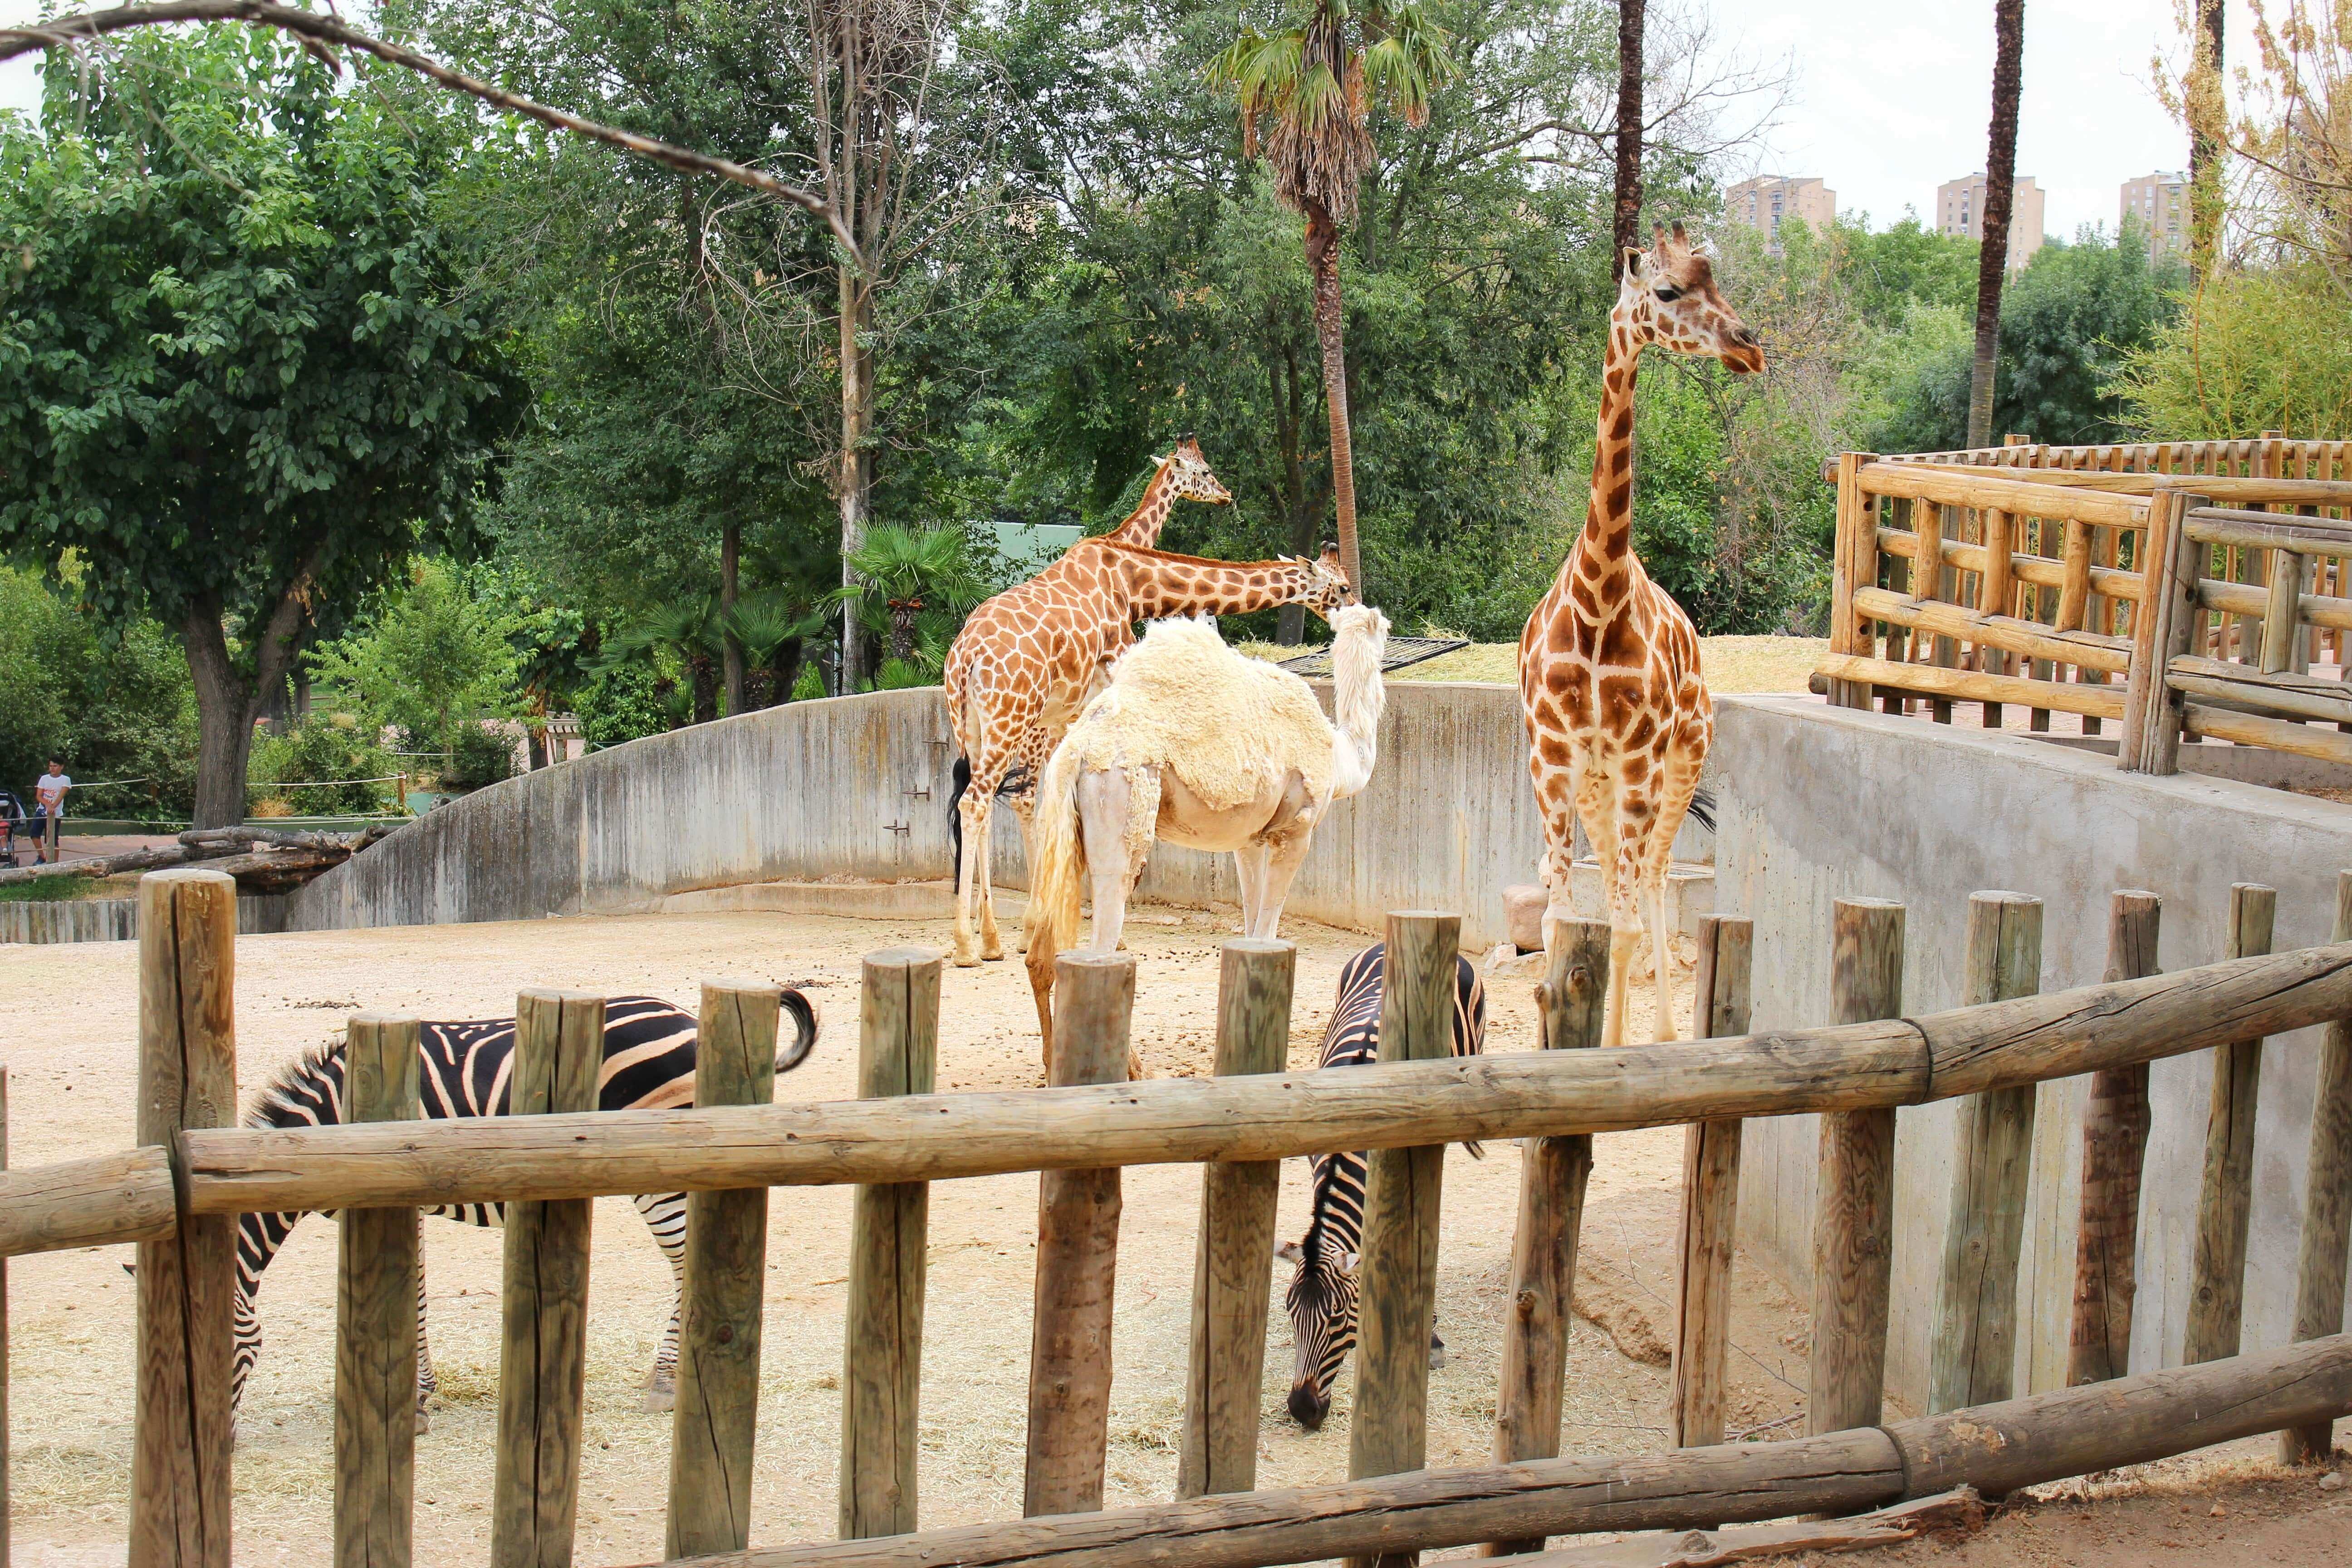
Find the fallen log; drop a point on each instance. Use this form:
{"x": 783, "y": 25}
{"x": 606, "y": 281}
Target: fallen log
{"x": 1958, "y": 1510}
{"x": 251, "y": 837}
{"x": 277, "y": 870}
{"x": 107, "y": 865}
{"x": 1996, "y": 1448}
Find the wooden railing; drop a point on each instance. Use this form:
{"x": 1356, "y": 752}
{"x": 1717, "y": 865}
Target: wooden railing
{"x": 1951, "y": 583}
{"x": 175, "y": 1195}
{"x": 1957, "y": 584}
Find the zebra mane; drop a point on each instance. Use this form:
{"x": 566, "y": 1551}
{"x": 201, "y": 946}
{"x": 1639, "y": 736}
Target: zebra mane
{"x": 278, "y": 1094}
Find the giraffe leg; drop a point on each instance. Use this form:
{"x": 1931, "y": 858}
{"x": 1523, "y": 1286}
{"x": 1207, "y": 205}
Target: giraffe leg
{"x": 1678, "y": 767}
{"x": 972, "y": 871}
{"x": 991, "y": 943}
{"x": 1556, "y": 805}
{"x": 1634, "y": 815}
{"x": 1661, "y": 948}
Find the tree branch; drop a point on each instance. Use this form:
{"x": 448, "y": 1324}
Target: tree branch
{"x": 316, "y": 28}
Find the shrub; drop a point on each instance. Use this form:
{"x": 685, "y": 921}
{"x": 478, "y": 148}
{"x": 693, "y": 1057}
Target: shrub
{"x": 478, "y": 757}
{"x": 326, "y": 750}
{"x": 2254, "y": 351}
{"x": 621, "y": 704}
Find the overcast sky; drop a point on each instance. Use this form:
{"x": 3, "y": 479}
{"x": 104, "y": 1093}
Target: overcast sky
{"x": 1892, "y": 98}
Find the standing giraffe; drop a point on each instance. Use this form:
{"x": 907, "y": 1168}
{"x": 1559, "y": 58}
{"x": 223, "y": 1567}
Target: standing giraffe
{"x": 1617, "y": 717}
{"x": 1183, "y": 475}
{"x": 1027, "y": 660}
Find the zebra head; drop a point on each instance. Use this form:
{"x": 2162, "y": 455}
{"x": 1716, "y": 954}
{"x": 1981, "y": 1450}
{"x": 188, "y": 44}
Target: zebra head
{"x": 1322, "y": 1304}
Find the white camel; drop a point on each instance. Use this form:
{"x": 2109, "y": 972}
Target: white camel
{"x": 1204, "y": 747}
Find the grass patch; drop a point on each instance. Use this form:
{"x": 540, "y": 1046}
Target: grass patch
{"x": 50, "y": 889}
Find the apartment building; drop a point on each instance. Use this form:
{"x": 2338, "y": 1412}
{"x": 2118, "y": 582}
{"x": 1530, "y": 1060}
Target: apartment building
{"x": 1960, "y": 212}
{"x": 2160, "y": 202}
{"x": 1763, "y": 202}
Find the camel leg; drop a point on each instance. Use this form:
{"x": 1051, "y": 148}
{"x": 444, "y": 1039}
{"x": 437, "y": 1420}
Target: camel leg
{"x": 1104, "y": 802}
{"x": 1281, "y": 866}
{"x": 1249, "y": 870}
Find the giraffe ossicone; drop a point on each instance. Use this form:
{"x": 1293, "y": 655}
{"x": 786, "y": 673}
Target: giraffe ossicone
{"x": 1618, "y": 715}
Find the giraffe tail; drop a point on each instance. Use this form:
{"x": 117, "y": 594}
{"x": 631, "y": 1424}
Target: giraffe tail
{"x": 1702, "y": 809}
{"x": 955, "y": 816}
{"x": 1056, "y": 881}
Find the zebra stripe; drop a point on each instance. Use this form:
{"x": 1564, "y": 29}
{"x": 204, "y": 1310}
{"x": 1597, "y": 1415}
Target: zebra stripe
{"x": 1322, "y": 1297}
{"x": 467, "y": 1070}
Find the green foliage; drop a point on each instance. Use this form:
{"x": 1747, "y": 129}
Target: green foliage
{"x": 238, "y": 378}
{"x": 111, "y": 706}
{"x": 431, "y": 659}
{"x": 624, "y": 703}
{"x": 478, "y": 757}
{"x": 2069, "y": 324}
{"x": 2253, "y": 350}
{"x": 46, "y": 889}
{"x": 320, "y": 751}
{"x": 1888, "y": 274}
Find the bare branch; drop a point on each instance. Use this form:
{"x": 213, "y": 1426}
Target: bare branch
{"x": 316, "y": 29}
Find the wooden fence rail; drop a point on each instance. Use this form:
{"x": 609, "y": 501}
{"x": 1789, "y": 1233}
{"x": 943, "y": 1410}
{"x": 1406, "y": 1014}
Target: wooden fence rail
{"x": 2188, "y": 589}
{"x": 545, "y": 1162}
{"x": 1899, "y": 1061}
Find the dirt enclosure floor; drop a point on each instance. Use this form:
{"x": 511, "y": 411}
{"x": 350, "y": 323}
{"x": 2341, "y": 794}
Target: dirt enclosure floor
{"x": 67, "y": 1022}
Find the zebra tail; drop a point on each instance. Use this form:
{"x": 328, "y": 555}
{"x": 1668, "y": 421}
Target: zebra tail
{"x": 803, "y": 1017}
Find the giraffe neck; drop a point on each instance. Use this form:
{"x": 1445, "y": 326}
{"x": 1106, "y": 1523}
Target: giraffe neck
{"x": 1161, "y": 584}
{"x": 1605, "y": 547}
{"x": 1143, "y": 524}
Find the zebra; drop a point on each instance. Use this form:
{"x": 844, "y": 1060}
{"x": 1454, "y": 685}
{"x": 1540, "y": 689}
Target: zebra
{"x": 1322, "y": 1294}
{"x": 466, "y": 1070}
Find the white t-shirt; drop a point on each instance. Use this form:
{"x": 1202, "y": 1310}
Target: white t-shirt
{"x": 51, "y": 792}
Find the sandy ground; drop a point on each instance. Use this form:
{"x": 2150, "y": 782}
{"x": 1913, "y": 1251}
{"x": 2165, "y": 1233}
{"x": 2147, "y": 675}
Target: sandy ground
{"x": 68, "y": 1016}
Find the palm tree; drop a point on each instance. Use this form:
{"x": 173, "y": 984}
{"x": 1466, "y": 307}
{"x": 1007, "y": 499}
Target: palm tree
{"x": 913, "y": 569}
{"x": 1632, "y": 16}
{"x": 772, "y": 627}
{"x": 2000, "y": 192}
{"x": 690, "y": 628}
{"x": 1306, "y": 93}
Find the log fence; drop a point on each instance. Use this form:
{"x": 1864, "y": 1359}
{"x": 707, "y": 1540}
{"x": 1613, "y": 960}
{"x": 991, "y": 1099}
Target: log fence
{"x": 195, "y": 1172}
{"x": 2179, "y": 590}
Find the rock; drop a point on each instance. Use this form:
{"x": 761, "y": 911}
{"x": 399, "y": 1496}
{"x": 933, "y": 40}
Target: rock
{"x": 2332, "y": 1481}
{"x": 1523, "y": 910}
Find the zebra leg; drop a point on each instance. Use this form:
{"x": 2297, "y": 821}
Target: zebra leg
{"x": 425, "y": 1382}
{"x": 665, "y": 1218}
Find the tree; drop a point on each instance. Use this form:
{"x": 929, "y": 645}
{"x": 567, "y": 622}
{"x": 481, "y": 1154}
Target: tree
{"x": 2001, "y": 195}
{"x": 914, "y": 570}
{"x": 1306, "y": 93}
{"x": 434, "y": 658}
{"x": 2208, "y": 114}
{"x": 1632, "y": 15}
{"x": 238, "y": 380}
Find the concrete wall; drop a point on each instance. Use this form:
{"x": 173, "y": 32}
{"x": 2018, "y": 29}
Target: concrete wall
{"x": 1819, "y": 803}
{"x": 858, "y": 786}
{"x": 116, "y": 920}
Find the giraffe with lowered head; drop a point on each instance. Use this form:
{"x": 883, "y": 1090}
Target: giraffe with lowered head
{"x": 1618, "y": 716}
{"x": 1026, "y": 661}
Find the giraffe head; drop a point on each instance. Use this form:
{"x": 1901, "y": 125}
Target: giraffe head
{"x": 1189, "y": 476}
{"x": 1326, "y": 588}
{"x": 1667, "y": 297}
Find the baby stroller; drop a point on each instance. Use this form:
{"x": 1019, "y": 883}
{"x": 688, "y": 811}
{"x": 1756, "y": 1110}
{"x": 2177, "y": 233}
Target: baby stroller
{"x": 17, "y": 827}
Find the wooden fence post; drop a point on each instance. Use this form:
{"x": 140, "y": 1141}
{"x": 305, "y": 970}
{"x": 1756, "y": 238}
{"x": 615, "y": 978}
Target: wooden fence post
{"x": 1710, "y": 1202}
{"x": 1854, "y": 1224}
{"x": 2115, "y": 1144}
{"x": 188, "y": 1282}
{"x": 1973, "y": 1357}
{"x": 544, "y": 1327}
{"x": 717, "y": 1415}
{"x": 1397, "y": 1269}
{"x": 2217, "y": 1297}
{"x": 1077, "y": 1253}
{"x": 2327, "y": 1205}
{"x": 1553, "y": 1173}
{"x": 1233, "y": 1263}
{"x": 1856, "y": 566}
{"x": 376, "y": 1322}
{"x": 889, "y": 1231}
{"x": 4, "y": 1339}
